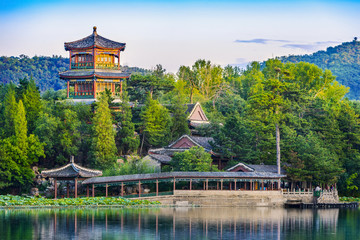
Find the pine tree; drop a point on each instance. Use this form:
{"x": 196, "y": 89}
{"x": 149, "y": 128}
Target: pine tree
{"x": 10, "y": 107}
{"x": 126, "y": 140}
{"x": 156, "y": 123}
{"x": 179, "y": 120}
{"x": 103, "y": 146}
{"x": 32, "y": 103}
{"x": 20, "y": 125}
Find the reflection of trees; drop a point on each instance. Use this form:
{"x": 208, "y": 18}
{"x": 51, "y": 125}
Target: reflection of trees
{"x": 164, "y": 223}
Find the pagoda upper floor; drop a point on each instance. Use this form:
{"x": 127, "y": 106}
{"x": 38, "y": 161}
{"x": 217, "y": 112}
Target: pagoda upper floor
{"x": 94, "y": 52}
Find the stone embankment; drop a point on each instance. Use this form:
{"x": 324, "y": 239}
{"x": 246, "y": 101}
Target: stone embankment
{"x": 222, "y": 198}
{"x": 276, "y": 198}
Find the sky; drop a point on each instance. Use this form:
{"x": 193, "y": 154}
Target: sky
{"x": 175, "y": 33}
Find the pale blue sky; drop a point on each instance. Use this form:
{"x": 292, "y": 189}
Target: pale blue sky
{"x": 180, "y": 32}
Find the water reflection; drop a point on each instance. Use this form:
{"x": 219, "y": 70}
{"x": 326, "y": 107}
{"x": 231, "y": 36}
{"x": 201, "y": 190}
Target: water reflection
{"x": 179, "y": 223}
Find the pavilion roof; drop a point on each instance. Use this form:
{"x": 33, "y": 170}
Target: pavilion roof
{"x": 94, "y": 40}
{"x": 182, "y": 175}
{"x": 71, "y": 170}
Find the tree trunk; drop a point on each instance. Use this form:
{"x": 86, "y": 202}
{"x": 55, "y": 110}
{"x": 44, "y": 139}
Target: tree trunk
{"x": 191, "y": 95}
{"x": 278, "y": 148}
{"x": 142, "y": 143}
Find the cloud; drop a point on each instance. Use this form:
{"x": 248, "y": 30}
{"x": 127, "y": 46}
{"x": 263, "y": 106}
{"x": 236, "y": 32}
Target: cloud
{"x": 307, "y": 47}
{"x": 310, "y": 46}
{"x": 260, "y": 40}
{"x": 327, "y": 42}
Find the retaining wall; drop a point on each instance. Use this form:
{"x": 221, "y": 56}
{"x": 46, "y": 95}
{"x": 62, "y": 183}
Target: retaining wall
{"x": 224, "y": 198}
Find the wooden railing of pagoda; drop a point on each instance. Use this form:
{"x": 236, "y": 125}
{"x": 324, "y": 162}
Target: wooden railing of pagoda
{"x": 86, "y": 65}
{"x": 81, "y": 94}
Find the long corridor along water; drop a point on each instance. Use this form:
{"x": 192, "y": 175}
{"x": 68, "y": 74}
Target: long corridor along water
{"x": 180, "y": 223}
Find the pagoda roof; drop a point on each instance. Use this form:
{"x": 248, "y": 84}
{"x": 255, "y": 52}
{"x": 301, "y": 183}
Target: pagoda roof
{"x": 94, "y": 40}
{"x": 88, "y": 73}
{"x": 71, "y": 170}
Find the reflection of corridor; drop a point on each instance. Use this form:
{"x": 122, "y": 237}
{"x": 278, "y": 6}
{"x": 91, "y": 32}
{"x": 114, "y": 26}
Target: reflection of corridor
{"x": 212, "y": 223}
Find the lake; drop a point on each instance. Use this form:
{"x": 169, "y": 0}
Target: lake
{"x": 180, "y": 223}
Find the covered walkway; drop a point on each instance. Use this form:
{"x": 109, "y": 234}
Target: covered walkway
{"x": 235, "y": 181}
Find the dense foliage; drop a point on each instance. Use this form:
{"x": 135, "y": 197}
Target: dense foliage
{"x": 295, "y": 113}
{"x": 11, "y": 201}
{"x": 195, "y": 159}
{"x": 343, "y": 61}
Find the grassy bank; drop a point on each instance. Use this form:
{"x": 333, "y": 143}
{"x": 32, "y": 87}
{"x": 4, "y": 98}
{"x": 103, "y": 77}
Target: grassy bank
{"x": 10, "y": 200}
{"x": 349, "y": 199}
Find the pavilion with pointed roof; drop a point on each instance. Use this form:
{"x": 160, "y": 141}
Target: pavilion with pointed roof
{"x": 94, "y": 67}
{"x": 70, "y": 171}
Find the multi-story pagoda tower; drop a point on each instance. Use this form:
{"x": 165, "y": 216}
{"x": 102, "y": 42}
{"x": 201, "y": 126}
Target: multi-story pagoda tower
{"x": 94, "y": 67}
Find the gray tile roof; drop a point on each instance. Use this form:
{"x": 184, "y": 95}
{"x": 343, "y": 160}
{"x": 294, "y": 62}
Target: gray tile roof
{"x": 93, "y": 72}
{"x": 71, "y": 170}
{"x": 265, "y": 168}
{"x": 94, "y": 40}
{"x": 163, "y": 158}
{"x": 182, "y": 175}
{"x": 203, "y": 141}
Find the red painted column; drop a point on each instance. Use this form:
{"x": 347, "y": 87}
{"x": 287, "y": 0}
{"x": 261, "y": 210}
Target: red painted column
{"x": 157, "y": 187}
{"x": 68, "y": 88}
{"x": 70, "y": 60}
{"x": 235, "y": 184}
{"x": 122, "y": 189}
{"x": 221, "y": 187}
{"x": 139, "y": 188}
{"x": 119, "y": 60}
{"x": 93, "y": 190}
{"x": 94, "y": 88}
{"x": 190, "y": 184}
{"x": 75, "y": 187}
{"x": 55, "y": 194}
{"x": 207, "y": 184}
{"x": 174, "y": 184}
{"x": 87, "y": 190}
{"x": 76, "y": 89}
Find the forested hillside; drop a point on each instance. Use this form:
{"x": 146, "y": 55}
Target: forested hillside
{"x": 343, "y": 61}
{"x": 44, "y": 70}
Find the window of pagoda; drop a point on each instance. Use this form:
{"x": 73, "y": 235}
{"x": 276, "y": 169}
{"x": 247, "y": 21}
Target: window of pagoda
{"x": 107, "y": 61}
{"x": 82, "y": 61}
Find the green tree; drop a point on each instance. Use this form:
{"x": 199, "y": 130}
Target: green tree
{"x": 103, "y": 145}
{"x": 126, "y": 139}
{"x": 236, "y": 140}
{"x": 179, "y": 122}
{"x": 32, "y": 103}
{"x": 195, "y": 159}
{"x": 155, "y": 124}
{"x": 48, "y": 131}
{"x": 10, "y": 107}
{"x": 20, "y": 125}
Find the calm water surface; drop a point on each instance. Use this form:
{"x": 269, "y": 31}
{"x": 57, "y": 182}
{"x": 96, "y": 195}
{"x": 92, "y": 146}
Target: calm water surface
{"x": 180, "y": 223}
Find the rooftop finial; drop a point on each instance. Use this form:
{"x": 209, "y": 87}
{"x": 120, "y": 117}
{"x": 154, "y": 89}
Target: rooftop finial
{"x": 94, "y": 28}
{"x": 72, "y": 159}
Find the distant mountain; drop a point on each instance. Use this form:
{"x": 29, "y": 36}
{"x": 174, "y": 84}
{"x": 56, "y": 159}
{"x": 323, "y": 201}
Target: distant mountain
{"x": 44, "y": 70}
{"x": 343, "y": 61}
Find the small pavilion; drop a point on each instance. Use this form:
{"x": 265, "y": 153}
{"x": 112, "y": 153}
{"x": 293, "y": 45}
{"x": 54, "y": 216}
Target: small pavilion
{"x": 69, "y": 172}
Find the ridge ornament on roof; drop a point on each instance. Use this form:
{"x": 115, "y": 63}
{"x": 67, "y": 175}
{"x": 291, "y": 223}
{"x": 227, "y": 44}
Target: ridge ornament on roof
{"x": 94, "y": 40}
